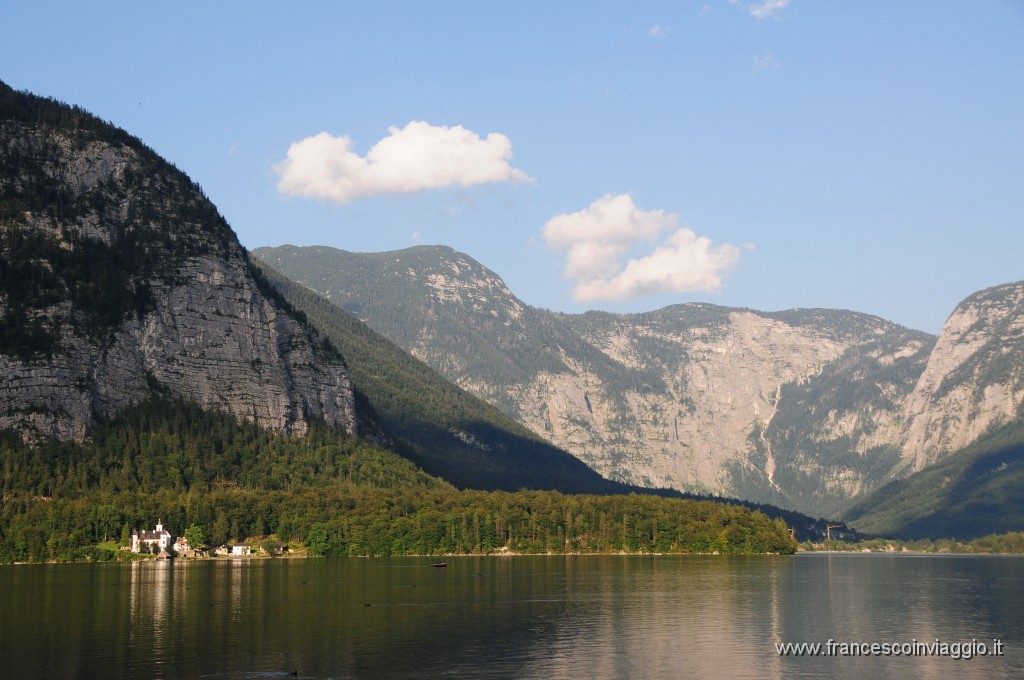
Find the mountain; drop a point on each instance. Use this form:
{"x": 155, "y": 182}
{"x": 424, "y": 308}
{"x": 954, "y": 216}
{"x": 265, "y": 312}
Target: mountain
{"x": 122, "y": 286}
{"x": 807, "y": 408}
{"x": 118, "y": 279}
{"x": 976, "y": 491}
{"x": 974, "y": 380}
{"x": 120, "y": 282}
{"x": 151, "y": 370}
{"x": 442, "y": 428}
{"x": 964, "y": 439}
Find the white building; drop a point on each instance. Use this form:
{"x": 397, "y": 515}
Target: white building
{"x": 143, "y": 540}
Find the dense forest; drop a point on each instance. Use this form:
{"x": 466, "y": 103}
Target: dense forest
{"x": 335, "y": 494}
{"x": 342, "y": 521}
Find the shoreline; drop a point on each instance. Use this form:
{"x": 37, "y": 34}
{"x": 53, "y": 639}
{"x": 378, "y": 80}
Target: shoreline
{"x": 509, "y": 554}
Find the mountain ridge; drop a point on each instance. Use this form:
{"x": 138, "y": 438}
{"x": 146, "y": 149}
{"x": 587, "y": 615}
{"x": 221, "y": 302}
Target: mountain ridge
{"x": 433, "y": 422}
{"x": 804, "y": 408}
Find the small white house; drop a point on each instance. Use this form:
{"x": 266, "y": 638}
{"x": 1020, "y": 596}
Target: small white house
{"x": 240, "y": 550}
{"x": 142, "y": 541}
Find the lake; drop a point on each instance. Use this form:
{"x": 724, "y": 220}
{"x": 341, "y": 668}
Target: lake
{"x": 511, "y": 617}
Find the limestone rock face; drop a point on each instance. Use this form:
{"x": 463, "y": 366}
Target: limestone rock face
{"x": 803, "y": 408}
{"x": 974, "y": 379}
{"x": 138, "y": 286}
{"x": 720, "y": 381}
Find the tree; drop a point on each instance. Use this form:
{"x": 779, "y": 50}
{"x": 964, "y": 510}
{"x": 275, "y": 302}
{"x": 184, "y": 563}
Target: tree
{"x": 273, "y": 545}
{"x": 220, "y": 529}
{"x": 317, "y": 540}
{"x": 195, "y": 536}
{"x": 126, "y": 536}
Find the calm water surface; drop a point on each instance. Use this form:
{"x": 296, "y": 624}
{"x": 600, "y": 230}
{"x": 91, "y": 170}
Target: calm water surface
{"x": 508, "y": 617}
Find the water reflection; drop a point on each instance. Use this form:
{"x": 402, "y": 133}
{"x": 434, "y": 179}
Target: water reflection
{"x": 549, "y": 617}
{"x": 149, "y": 595}
{"x": 672, "y": 617}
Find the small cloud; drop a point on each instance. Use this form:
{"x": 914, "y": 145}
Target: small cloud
{"x": 768, "y": 9}
{"x": 233, "y": 148}
{"x": 659, "y": 31}
{"x": 416, "y": 237}
{"x": 766, "y": 62}
{"x": 417, "y": 157}
{"x": 600, "y": 237}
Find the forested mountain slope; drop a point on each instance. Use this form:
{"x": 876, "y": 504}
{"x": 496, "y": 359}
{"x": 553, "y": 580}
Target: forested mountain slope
{"x": 442, "y": 428}
{"x": 806, "y": 408}
{"x": 801, "y": 408}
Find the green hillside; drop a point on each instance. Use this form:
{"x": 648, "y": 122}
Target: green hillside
{"x": 445, "y": 430}
{"x": 975, "y": 492}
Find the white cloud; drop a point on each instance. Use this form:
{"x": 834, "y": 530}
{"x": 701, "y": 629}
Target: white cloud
{"x": 416, "y": 237}
{"x": 417, "y": 157}
{"x": 658, "y": 31}
{"x": 767, "y": 9}
{"x": 766, "y": 62}
{"x": 598, "y": 239}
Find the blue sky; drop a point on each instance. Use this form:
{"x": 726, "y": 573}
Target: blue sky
{"x": 621, "y": 156}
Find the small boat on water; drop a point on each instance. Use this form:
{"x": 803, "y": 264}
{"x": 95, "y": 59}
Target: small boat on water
{"x": 439, "y": 565}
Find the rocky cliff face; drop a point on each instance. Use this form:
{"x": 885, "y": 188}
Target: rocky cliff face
{"x": 119, "y": 279}
{"x": 716, "y": 400}
{"x": 974, "y": 379}
{"x": 804, "y": 408}
{"x": 721, "y": 376}
{"x": 835, "y": 433}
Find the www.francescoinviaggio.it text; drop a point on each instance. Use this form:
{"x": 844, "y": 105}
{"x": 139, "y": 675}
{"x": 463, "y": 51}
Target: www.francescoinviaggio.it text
{"x": 954, "y": 650}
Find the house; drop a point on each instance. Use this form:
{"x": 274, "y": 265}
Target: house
{"x": 181, "y": 546}
{"x": 239, "y": 550}
{"x": 143, "y": 541}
